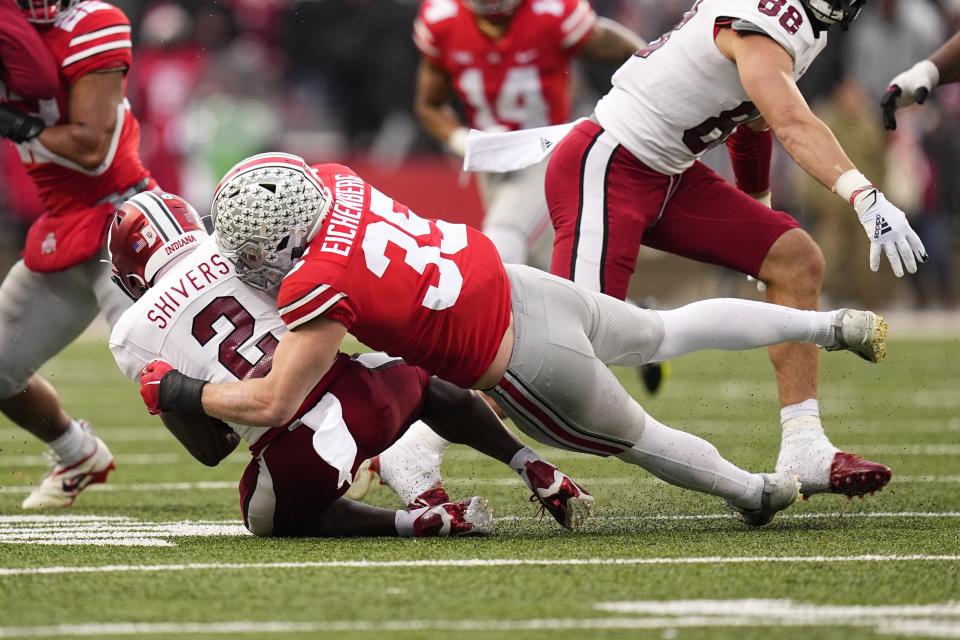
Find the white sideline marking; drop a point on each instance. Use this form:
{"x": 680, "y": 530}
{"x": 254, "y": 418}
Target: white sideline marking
{"x": 471, "y": 563}
{"x": 123, "y": 459}
{"x": 929, "y": 621}
{"x": 220, "y": 485}
{"x": 106, "y": 531}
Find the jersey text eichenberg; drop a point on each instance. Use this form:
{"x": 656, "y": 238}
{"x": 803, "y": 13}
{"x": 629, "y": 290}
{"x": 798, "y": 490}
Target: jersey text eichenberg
{"x": 344, "y": 215}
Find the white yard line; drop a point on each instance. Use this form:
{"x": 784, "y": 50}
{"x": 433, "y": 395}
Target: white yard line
{"x": 123, "y": 459}
{"x": 231, "y": 485}
{"x": 474, "y": 563}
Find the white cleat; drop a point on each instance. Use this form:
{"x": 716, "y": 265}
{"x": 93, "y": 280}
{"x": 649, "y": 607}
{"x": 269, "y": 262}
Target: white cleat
{"x": 61, "y": 486}
{"x": 367, "y": 476}
{"x": 780, "y": 490}
{"x": 861, "y": 332}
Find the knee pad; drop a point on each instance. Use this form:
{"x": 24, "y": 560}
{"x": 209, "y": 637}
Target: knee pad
{"x": 11, "y": 384}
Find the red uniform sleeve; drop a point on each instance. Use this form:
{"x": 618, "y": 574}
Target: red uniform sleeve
{"x": 301, "y": 300}
{"x": 100, "y": 41}
{"x": 750, "y": 154}
{"x": 429, "y": 26}
{"x": 28, "y": 67}
{"x": 576, "y": 24}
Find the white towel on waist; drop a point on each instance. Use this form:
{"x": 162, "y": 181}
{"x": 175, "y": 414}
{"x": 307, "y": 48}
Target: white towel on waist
{"x": 512, "y": 150}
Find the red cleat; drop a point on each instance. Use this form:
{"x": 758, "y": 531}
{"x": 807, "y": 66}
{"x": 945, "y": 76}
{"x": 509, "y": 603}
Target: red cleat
{"x": 568, "y": 503}
{"x": 470, "y": 517}
{"x": 851, "y": 475}
{"x": 430, "y": 498}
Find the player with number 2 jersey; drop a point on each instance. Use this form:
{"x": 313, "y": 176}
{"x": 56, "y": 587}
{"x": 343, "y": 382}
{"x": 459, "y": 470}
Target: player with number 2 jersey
{"x": 436, "y": 294}
{"x": 508, "y": 63}
{"x": 631, "y": 175}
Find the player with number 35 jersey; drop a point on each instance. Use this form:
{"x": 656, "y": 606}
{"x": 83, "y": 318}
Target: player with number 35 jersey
{"x": 508, "y": 63}
{"x": 435, "y": 294}
{"x": 631, "y": 175}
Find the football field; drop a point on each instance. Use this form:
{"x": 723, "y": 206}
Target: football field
{"x": 160, "y": 551}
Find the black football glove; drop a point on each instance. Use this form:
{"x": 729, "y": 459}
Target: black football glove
{"x": 18, "y": 126}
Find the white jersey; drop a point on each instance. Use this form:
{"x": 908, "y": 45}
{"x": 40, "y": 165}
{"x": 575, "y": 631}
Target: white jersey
{"x": 680, "y": 96}
{"x": 202, "y": 320}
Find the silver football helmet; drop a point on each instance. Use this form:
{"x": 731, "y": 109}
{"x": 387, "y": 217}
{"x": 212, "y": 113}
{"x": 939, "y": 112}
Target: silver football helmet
{"x": 265, "y": 211}
{"x": 841, "y": 12}
{"x": 44, "y": 11}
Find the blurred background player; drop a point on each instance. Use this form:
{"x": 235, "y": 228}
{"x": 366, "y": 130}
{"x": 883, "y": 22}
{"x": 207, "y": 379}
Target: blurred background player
{"x": 508, "y": 63}
{"x": 80, "y": 148}
{"x": 915, "y": 84}
{"x": 186, "y": 291}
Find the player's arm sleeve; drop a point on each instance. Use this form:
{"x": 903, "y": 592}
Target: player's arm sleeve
{"x": 576, "y": 25}
{"x": 30, "y": 69}
{"x": 750, "y": 155}
{"x": 101, "y": 43}
{"x": 207, "y": 439}
{"x": 301, "y": 301}
{"x": 430, "y": 26}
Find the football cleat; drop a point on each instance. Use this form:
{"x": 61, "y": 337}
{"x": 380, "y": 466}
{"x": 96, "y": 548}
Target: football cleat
{"x": 851, "y": 475}
{"x": 430, "y": 498}
{"x": 367, "y": 475}
{"x": 470, "y": 517}
{"x": 63, "y": 483}
{"x": 780, "y": 490}
{"x": 569, "y": 503}
{"x": 861, "y": 332}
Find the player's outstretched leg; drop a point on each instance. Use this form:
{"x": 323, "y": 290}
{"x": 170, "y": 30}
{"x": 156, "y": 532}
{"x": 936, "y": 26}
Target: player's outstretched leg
{"x": 793, "y": 272}
{"x": 411, "y": 467}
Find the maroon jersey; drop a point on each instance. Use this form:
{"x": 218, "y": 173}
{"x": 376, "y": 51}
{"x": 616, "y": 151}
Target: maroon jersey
{"x": 91, "y": 36}
{"x": 519, "y": 81}
{"x": 431, "y": 292}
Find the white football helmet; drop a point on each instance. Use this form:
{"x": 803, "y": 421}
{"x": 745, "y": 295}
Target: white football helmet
{"x": 493, "y": 7}
{"x": 265, "y": 211}
{"x": 841, "y": 12}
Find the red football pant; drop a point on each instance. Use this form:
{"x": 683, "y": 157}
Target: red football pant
{"x": 604, "y": 203}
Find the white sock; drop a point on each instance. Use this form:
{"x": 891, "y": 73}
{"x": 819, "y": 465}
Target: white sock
{"x": 412, "y": 464}
{"x": 403, "y": 521}
{"x": 74, "y": 445}
{"x": 690, "y": 462}
{"x": 732, "y": 324}
{"x": 805, "y": 449}
{"x": 520, "y": 459}
{"x": 510, "y": 244}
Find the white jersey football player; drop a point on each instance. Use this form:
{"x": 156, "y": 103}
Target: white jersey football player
{"x": 192, "y": 310}
{"x": 631, "y": 176}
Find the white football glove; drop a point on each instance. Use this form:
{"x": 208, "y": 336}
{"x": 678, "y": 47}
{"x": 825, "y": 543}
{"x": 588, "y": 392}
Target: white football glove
{"x": 911, "y": 86}
{"x": 888, "y": 230}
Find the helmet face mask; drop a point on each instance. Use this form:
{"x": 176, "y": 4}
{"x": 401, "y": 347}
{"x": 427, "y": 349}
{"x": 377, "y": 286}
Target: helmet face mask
{"x": 148, "y": 232}
{"x": 841, "y": 12}
{"x": 43, "y": 11}
{"x": 493, "y": 8}
{"x": 266, "y": 210}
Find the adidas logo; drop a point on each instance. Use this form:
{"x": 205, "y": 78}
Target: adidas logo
{"x": 881, "y": 226}
{"x": 545, "y": 144}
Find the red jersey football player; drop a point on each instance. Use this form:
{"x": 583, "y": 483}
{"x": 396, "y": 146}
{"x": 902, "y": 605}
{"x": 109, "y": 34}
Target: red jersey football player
{"x": 80, "y": 148}
{"x": 508, "y": 63}
{"x": 346, "y": 257}
{"x": 186, "y": 290}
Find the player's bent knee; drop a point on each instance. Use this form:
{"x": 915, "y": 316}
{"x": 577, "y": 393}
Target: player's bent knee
{"x": 12, "y": 384}
{"x": 794, "y": 261}
{"x": 260, "y": 526}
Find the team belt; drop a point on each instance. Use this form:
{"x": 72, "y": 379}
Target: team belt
{"x": 118, "y": 198}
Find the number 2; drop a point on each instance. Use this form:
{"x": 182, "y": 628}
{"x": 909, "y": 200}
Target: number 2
{"x": 228, "y": 353}
{"x": 402, "y": 229}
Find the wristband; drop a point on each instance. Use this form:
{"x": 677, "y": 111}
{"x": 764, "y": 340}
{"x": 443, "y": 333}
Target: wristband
{"x": 181, "y": 393}
{"x": 457, "y": 142}
{"x": 850, "y": 184}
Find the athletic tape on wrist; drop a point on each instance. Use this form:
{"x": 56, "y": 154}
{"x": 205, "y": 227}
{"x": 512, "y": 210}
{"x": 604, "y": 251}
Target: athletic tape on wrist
{"x": 181, "y": 393}
{"x": 850, "y": 184}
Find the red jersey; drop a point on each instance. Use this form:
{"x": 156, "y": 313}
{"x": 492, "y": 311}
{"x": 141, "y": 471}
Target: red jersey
{"x": 91, "y": 36}
{"x": 431, "y": 292}
{"x": 518, "y": 82}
